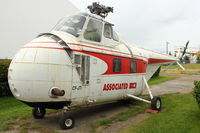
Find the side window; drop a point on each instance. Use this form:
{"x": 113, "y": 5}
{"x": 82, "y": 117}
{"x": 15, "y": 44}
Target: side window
{"x": 77, "y": 61}
{"x": 117, "y": 65}
{"x": 93, "y": 31}
{"x": 115, "y": 36}
{"x": 108, "y": 31}
{"x": 82, "y": 63}
{"x": 85, "y": 69}
{"x": 133, "y": 66}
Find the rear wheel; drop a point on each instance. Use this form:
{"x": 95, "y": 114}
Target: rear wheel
{"x": 156, "y": 103}
{"x": 66, "y": 122}
{"x": 38, "y": 113}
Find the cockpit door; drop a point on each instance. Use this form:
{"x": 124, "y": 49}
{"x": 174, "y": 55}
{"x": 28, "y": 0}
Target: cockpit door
{"x": 93, "y": 32}
{"x": 109, "y": 36}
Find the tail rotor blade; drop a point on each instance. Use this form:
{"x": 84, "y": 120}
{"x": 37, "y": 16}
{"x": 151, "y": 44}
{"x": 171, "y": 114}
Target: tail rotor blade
{"x": 185, "y": 48}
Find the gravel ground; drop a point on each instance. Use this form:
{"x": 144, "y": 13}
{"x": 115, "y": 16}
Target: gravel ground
{"x": 180, "y": 85}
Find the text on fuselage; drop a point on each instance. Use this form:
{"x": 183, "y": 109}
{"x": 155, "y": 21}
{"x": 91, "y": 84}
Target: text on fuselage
{"x": 119, "y": 86}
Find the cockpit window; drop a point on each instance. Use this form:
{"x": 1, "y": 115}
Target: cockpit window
{"x": 93, "y": 31}
{"x": 72, "y": 25}
{"x": 115, "y": 36}
{"x": 108, "y": 31}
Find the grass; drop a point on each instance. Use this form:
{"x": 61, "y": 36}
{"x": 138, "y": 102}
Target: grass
{"x": 180, "y": 115}
{"x": 160, "y": 79}
{"x": 186, "y": 66}
{"x": 12, "y": 111}
{"x": 135, "y": 107}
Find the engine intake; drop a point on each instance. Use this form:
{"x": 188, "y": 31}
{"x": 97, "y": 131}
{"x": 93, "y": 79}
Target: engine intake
{"x": 57, "y": 92}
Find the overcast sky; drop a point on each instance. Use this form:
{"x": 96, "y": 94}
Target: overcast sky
{"x": 146, "y": 23}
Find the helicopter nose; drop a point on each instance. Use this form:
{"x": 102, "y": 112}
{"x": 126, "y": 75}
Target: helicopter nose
{"x": 38, "y": 67}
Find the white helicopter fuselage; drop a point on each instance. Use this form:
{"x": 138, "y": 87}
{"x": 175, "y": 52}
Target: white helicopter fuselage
{"x": 88, "y": 72}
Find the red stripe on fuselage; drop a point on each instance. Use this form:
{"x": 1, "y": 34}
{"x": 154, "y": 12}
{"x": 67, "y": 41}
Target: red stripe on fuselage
{"x": 152, "y": 61}
{"x": 101, "y": 49}
{"x": 108, "y": 59}
{"x": 125, "y": 63}
{"x": 94, "y": 48}
{"x": 45, "y": 47}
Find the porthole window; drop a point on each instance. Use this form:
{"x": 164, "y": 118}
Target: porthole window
{"x": 108, "y": 31}
{"x": 133, "y": 66}
{"x": 115, "y": 36}
{"x": 117, "y": 65}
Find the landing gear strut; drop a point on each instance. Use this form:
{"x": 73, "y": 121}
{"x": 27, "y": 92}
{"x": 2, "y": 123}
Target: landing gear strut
{"x": 66, "y": 122}
{"x": 155, "y": 100}
{"x": 38, "y": 113}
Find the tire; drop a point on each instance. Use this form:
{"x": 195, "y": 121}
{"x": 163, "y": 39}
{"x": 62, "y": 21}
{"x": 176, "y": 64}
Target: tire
{"x": 66, "y": 122}
{"x": 156, "y": 103}
{"x": 38, "y": 113}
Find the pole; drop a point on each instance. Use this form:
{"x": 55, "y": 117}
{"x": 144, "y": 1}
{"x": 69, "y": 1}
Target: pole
{"x": 167, "y": 45}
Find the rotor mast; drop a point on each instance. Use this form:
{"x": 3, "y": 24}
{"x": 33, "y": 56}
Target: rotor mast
{"x": 100, "y": 10}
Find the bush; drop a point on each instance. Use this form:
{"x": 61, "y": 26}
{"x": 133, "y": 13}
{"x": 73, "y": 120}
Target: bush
{"x": 4, "y": 64}
{"x": 4, "y": 87}
{"x": 196, "y": 92}
{"x": 157, "y": 73}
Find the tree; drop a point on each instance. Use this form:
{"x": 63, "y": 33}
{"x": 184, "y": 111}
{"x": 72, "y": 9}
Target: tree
{"x": 186, "y": 59}
{"x": 198, "y": 59}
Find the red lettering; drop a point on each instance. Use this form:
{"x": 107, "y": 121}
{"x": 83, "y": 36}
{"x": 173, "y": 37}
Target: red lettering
{"x": 108, "y": 86}
{"x": 113, "y": 86}
{"x": 122, "y": 86}
{"x": 119, "y": 86}
{"x": 126, "y": 86}
{"x": 105, "y": 87}
{"x": 132, "y": 85}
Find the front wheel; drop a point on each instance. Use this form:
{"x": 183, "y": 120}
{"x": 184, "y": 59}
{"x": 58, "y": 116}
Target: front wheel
{"x": 156, "y": 103}
{"x": 66, "y": 122}
{"x": 38, "y": 113}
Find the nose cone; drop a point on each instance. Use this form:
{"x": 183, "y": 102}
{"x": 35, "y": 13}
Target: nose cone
{"x": 36, "y": 68}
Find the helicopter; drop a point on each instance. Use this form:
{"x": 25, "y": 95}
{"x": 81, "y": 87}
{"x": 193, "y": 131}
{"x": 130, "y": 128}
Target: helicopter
{"x": 82, "y": 62}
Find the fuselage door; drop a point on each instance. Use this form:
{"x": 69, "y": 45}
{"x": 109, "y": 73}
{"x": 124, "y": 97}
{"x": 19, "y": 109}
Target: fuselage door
{"x": 81, "y": 75}
{"x": 110, "y": 37}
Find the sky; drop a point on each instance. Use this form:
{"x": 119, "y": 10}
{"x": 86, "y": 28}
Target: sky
{"x": 147, "y": 24}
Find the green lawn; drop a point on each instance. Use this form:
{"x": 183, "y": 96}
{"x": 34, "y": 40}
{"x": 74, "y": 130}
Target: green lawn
{"x": 135, "y": 107}
{"x": 186, "y": 66}
{"x": 180, "y": 115}
{"x": 160, "y": 79}
{"x": 10, "y": 111}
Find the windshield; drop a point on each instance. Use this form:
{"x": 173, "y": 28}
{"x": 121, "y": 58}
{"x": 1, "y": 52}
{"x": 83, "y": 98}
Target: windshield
{"x": 72, "y": 25}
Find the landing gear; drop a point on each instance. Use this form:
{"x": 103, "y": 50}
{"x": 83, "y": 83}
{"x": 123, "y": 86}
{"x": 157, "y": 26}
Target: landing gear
{"x": 156, "y": 103}
{"x": 38, "y": 113}
{"x": 66, "y": 122}
{"x": 155, "y": 100}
